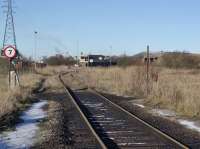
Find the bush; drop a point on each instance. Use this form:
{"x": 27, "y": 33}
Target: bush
{"x": 59, "y": 60}
{"x": 128, "y": 61}
{"x": 180, "y": 60}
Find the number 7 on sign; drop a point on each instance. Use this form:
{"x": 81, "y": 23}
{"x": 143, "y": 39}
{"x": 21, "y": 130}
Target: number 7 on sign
{"x": 10, "y": 52}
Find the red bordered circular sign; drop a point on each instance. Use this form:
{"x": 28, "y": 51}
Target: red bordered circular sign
{"x": 10, "y": 52}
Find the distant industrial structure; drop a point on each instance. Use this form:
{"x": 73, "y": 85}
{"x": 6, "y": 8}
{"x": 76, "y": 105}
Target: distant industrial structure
{"x": 96, "y": 60}
{"x": 153, "y": 57}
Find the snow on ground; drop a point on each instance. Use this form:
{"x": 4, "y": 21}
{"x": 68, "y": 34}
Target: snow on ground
{"x": 171, "y": 114}
{"x": 23, "y": 136}
{"x": 139, "y": 105}
{"x": 163, "y": 112}
{"x": 189, "y": 124}
{"x": 125, "y": 144}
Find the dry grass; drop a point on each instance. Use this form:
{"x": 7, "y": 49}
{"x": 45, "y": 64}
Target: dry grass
{"x": 52, "y": 70}
{"x": 53, "y": 83}
{"x": 12, "y": 100}
{"x": 178, "y": 90}
{"x": 121, "y": 81}
{"x": 30, "y": 80}
{"x": 175, "y": 89}
{"x": 51, "y": 74}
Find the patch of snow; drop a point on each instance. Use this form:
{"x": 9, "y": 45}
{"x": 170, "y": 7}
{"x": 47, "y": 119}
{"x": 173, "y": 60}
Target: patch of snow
{"x": 114, "y": 132}
{"x": 164, "y": 112}
{"x": 112, "y": 138}
{"x": 139, "y": 105}
{"x": 103, "y": 109}
{"x": 23, "y": 136}
{"x": 116, "y": 124}
{"x": 95, "y": 105}
{"x": 127, "y": 96}
{"x": 99, "y": 121}
{"x": 189, "y": 124}
{"x": 98, "y": 116}
{"x": 125, "y": 144}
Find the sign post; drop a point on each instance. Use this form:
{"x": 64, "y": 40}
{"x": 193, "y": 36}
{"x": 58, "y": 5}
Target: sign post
{"x": 10, "y": 52}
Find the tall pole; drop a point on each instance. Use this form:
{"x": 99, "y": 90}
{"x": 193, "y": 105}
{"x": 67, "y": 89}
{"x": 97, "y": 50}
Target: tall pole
{"x": 77, "y": 53}
{"x": 147, "y": 70}
{"x": 35, "y": 48}
{"x": 111, "y": 55}
{"x": 9, "y": 38}
{"x": 9, "y": 33}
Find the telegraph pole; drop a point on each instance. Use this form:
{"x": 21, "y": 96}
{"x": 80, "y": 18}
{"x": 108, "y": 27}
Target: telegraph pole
{"x": 9, "y": 39}
{"x": 77, "y": 53}
{"x": 111, "y": 48}
{"x": 147, "y": 70}
{"x": 35, "y": 48}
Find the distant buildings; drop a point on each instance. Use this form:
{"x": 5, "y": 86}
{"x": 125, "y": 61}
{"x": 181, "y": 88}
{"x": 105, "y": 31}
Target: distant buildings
{"x": 153, "y": 57}
{"x": 96, "y": 60}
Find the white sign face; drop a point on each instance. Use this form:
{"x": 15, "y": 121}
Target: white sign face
{"x": 10, "y": 52}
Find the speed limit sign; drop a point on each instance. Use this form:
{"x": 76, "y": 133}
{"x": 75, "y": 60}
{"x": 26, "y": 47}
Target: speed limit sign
{"x": 10, "y": 52}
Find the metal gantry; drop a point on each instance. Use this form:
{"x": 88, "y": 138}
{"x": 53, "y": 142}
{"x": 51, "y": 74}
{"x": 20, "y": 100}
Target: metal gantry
{"x": 9, "y": 39}
{"x": 9, "y": 33}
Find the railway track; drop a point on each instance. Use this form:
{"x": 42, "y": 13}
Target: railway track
{"x": 114, "y": 127}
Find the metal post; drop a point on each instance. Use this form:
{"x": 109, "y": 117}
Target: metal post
{"x": 77, "y": 62}
{"x": 9, "y": 35}
{"x": 9, "y": 71}
{"x": 17, "y": 78}
{"x": 35, "y": 48}
{"x": 147, "y": 70}
{"x": 88, "y": 61}
{"x": 110, "y": 55}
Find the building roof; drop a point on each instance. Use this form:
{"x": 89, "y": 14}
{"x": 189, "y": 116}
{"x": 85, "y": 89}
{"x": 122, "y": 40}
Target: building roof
{"x": 95, "y": 56}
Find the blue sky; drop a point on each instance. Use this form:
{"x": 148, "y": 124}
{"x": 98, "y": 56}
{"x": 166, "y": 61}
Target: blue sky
{"x": 126, "y": 25}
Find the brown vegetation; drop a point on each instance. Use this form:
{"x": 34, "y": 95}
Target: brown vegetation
{"x": 12, "y": 101}
{"x": 177, "y": 89}
{"x": 180, "y": 60}
{"x": 59, "y": 60}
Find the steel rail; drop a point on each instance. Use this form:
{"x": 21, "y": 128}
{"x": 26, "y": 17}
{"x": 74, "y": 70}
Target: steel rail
{"x": 156, "y": 130}
{"x": 101, "y": 143}
{"x": 142, "y": 121}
